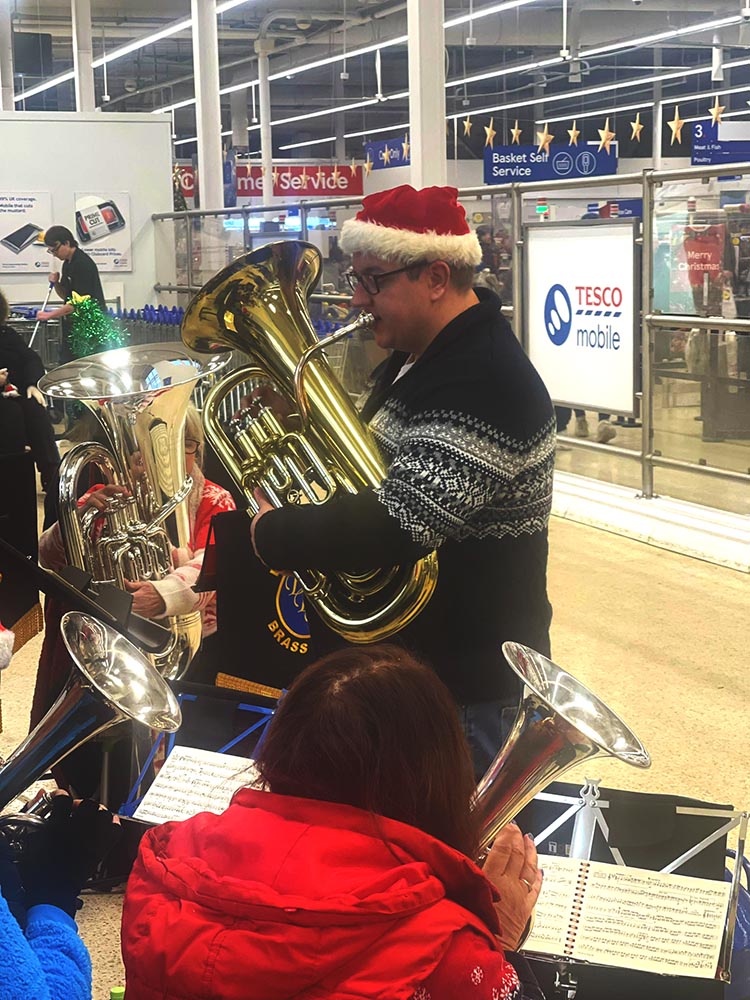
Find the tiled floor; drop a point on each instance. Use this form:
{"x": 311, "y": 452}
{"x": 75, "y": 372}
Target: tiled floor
{"x": 659, "y": 637}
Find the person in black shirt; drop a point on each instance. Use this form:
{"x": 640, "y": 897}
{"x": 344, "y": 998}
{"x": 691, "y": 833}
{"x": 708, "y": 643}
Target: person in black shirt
{"x": 79, "y": 275}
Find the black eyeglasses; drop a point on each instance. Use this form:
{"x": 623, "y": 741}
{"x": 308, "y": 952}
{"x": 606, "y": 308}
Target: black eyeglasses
{"x": 191, "y": 447}
{"x": 372, "y": 282}
{"x": 54, "y": 249}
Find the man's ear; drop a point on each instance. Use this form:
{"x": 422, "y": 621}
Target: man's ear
{"x": 439, "y": 276}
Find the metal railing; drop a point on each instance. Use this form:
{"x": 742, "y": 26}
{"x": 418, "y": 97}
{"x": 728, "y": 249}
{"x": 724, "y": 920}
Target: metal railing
{"x": 647, "y": 182}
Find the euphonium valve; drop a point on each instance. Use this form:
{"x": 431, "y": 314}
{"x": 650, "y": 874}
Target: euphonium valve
{"x": 320, "y": 447}
{"x": 559, "y": 723}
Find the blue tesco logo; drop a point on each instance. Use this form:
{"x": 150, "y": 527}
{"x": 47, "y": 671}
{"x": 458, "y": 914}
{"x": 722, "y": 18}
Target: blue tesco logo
{"x": 558, "y": 315}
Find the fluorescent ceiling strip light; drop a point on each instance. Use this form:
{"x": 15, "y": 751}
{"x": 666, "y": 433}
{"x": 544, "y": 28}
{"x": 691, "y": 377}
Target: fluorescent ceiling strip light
{"x": 222, "y": 8}
{"x": 587, "y": 92}
{"x": 375, "y": 131}
{"x": 587, "y": 53}
{"x": 366, "y": 50}
{"x": 643, "y": 106}
{"x": 716, "y": 92}
{"x": 54, "y": 82}
{"x": 728, "y": 114}
{"x": 496, "y": 8}
{"x": 506, "y": 71}
{"x": 140, "y": 43}
{"x": 662, "y": 36}
{"x": 194, "y": 138}
{"x": 309, "y": 142}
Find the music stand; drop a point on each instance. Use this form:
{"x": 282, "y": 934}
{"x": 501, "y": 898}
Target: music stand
{"x": 586, "y": 810}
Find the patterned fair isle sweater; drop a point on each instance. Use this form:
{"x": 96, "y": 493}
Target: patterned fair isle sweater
{"x": 469, "y": 435}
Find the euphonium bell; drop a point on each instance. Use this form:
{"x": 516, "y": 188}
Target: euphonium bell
{"x": 559, "y": 723}
{"x": 139, "y": 396}
{"x": 111, "y": 681}
{"x": 258, "y": 305}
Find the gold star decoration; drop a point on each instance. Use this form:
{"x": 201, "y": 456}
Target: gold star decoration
{"x": 319, "y": 174}
{"x": 353, "y": 167}
{"x": 516, "y": 134}
{"x": 716, "y": 111}
{"x": 636, "y": 128}
{"x": 574, "y": 133}
{"x": 405, "y": 147}
{"x": 467, "y": 125}
{"x": 490, "y": 133}
{"x": 676, "y": 126}
{"x": 605, "y": 137}
{"x": 275, "y": 175}
{"x": 544, "y": 139}
{"x": 386, "y": 155}
{"x": 368, "y": 165}
{"x": 303, "y": 177}
{"x": 336, "y": 173}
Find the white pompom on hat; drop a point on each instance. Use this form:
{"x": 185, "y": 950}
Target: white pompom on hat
{"x": 7, "y": 639}
{"x": 407, "y": 226}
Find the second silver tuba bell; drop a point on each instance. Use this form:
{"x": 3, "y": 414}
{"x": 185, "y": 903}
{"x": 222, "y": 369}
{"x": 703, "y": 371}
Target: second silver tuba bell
{"x": 139, "y": 397}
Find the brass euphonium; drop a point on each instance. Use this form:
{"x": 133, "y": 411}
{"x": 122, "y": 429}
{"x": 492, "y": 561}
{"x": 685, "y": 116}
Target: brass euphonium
{"x": 258, "y": 305}
{"x": 139, "y": 396}
{"x": 111, "y": 681}
{"x": 559, "y": 723}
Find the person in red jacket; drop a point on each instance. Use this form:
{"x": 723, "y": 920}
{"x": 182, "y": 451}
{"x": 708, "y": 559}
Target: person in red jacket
{"x": 349, "y": 874}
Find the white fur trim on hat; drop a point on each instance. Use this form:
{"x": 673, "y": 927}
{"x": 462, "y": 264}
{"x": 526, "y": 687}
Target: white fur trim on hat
{"x": 404, "y": 246}
{"x": 6, "y": 647}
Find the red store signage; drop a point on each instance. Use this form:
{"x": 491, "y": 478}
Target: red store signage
{"x": 301, "y": 181}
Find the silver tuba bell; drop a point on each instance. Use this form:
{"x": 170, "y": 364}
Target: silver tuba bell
{"x": 559, "y": 724}
{"x": 139, "y": 396}
{"x": 111, "y": 681}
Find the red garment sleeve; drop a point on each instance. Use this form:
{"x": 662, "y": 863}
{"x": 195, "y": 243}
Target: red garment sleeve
{"x": 470, "y": 968}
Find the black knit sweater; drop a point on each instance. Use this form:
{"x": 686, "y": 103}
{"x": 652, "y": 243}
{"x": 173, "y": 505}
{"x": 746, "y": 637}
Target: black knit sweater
{"x": 24, "y": 365}
{"x": 468, "y": 434}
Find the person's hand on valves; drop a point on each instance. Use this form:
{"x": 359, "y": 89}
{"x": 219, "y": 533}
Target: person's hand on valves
{"x": 512, "y": 867}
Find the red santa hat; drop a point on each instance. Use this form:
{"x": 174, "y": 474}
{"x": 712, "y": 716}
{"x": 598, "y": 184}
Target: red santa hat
{"x": 6, "y": 646}
{"x": 407, "y": 226}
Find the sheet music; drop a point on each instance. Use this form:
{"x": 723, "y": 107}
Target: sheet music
{"x": 629, "y": 917}
{"x": 555, "y": 906}
{"x": 193, "y": 781}
{"x": 651, "y": 921}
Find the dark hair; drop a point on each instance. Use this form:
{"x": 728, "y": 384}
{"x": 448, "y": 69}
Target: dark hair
{"x": 374, "y": 728}
{"x": 4, "y": 309}
{"x": 59, "y": 234}
{"x": 461, "y": 275}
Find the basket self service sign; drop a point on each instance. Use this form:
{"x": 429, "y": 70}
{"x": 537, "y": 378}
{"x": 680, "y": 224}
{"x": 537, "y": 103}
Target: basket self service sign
{"x": 508, "y": 164}
{"x": 581, "y": 311}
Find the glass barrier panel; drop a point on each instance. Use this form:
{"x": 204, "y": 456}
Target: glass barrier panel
{"x": 702, "y": 408}
{"x": 490, "y": 217}
{"x": 701, "y": 247}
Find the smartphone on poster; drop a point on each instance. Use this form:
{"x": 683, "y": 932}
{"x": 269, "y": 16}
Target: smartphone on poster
{"x": 98, "y": 221}
{"x": 21, "y": 238}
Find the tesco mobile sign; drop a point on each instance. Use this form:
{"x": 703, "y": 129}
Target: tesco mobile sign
{"x": 581, "y": 308}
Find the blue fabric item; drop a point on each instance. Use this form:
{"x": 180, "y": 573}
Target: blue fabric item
{"x": 50, "y": 963}
{"x": 740, "y": 967}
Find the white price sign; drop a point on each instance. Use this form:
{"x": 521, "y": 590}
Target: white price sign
{"x": 581, "y": 308}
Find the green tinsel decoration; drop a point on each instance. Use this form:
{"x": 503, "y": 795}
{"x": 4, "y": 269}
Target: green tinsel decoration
{"x": 93, "y": 330}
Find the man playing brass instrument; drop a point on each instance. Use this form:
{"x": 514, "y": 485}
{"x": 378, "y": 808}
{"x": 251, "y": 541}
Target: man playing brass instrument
{"x": 468, "y": 430}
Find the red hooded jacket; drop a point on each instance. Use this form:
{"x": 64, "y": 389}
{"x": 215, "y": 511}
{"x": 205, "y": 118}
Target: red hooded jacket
{"x": 284, "y": 897}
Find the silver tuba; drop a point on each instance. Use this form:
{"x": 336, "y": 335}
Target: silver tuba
{"x": 258, "y": 305}
{"x": 139, "y": 397}
{"x": 111, "y": 681}
{"x": 559, "y": 724}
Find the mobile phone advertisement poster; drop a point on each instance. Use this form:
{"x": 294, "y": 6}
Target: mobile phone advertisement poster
{"x": 24, "y": 215}
{"x": 102, "y": 227}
